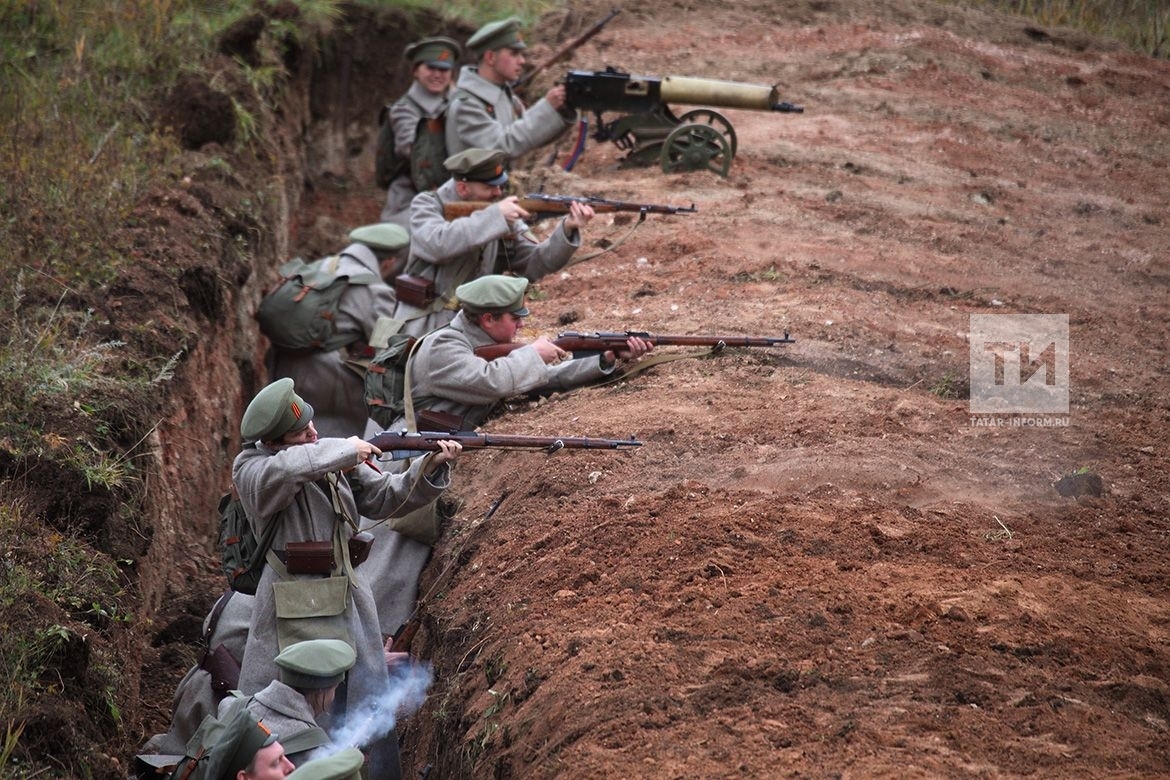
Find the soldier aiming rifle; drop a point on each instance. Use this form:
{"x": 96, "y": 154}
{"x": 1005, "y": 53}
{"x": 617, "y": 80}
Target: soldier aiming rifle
{"x": 596, "y": 343}
{"x": 538, "y": 206}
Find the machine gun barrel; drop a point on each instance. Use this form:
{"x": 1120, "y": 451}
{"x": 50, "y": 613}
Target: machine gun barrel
{"x": 724, "y": 94}
{"x": 613, "y": 91}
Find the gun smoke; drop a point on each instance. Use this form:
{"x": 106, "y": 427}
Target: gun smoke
{"x": 375, "y": 718}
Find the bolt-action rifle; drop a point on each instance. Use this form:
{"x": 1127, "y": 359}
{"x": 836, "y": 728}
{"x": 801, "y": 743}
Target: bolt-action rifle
{"x": 542, "y": 206}
{"x": 602, "y": 342}
{"x": 408, "y": 445}
{"x": 565, "y": 50}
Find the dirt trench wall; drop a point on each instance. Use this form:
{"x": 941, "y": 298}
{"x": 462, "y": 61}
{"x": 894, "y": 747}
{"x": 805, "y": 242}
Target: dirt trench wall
{"x": 358, "y": 70}
{"x": 220, "y": 236}
{"x": 223, "y": 278}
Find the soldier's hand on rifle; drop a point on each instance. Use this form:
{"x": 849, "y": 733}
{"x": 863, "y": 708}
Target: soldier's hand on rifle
{"x": 447, "y": 452}
{"x": 549, "y": 352}
{"x": 394, "y": 661}
{"x": 365, "y": 450}
{"x": 579, "y": 216}
{"x": 510, "y": 208}
{"x": 636, "y": 347}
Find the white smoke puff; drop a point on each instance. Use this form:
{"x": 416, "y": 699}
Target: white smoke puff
{"x": 375, "y": 717}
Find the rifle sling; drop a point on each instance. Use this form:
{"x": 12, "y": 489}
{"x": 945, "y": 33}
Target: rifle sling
{"x": 654, "y": 360}
{"x": 216, "y": 612}
{"x": 411, "y": 423}
{"x": 611, "y": 247}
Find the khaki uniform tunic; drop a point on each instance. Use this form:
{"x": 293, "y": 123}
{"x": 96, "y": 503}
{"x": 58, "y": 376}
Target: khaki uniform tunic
{"x": 451, "y": 252}
{"x": 506, "y": 126}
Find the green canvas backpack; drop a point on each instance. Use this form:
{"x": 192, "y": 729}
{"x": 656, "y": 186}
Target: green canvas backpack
{"x": 386, "y": 380}
{"x": 241, "y": 551}
{"x": 301, "y": 312}
{"x": 388, "y": 166}
{"x": 427, "y": 153}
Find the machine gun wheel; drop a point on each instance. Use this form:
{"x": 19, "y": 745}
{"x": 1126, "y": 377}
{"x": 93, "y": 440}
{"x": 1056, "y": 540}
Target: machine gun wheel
{"x": 705, "y": 116}
{"x": 694, "y": 147}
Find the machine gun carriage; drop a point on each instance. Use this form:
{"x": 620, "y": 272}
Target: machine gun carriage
{"x": 649, "y": 131}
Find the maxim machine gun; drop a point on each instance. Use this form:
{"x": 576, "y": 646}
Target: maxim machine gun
{"x": 649, "y": 131}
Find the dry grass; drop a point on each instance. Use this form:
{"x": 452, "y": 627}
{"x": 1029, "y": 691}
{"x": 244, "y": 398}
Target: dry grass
{"x": 1143, "y": 25}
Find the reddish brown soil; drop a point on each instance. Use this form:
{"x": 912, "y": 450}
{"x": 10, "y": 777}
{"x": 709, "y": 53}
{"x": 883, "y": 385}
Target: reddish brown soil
{"x": 816, "y": 566}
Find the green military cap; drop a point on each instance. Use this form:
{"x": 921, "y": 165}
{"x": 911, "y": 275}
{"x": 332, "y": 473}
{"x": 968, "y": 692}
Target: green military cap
{"x": 343, "y": 765}
{"x": 494, "y": 293}
{"x": 504, "y": 34}
{"x": 239, "y": 742}
{"x": 438, "y": 52}
{"x": 381, "y": 235}
{"x": 315, "y": 663}
{"x": 483, "y": 165}
{"x": 275, "y": 411}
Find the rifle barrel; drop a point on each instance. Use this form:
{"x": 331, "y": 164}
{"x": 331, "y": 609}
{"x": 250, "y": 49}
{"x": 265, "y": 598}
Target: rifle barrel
{"x": 674, "y": 340}
{"x": 540, "y": 206}
{"x": 562, "y": 202}
{"x": 429, "y": 440}
{"x": 566, "y": 48}
{"x": 599, "y": 342}
{"x": 545, "y": 442}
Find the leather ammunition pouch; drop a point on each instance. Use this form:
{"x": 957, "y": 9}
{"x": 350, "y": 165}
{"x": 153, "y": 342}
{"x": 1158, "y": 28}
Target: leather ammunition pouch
{"x": 223, "y": 669}
{"x": 360, "y": 545}
{"x": 309, "y": 557}
{"x": 414, "y": 290}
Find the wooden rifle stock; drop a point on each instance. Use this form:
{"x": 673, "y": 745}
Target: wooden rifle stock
{"x": 601, "y": 342}
{"x": 542, "y": 206}
{"x": 405, "y": 635}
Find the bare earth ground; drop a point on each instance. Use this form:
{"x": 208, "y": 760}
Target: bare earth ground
{"x": 816, "y": 566}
